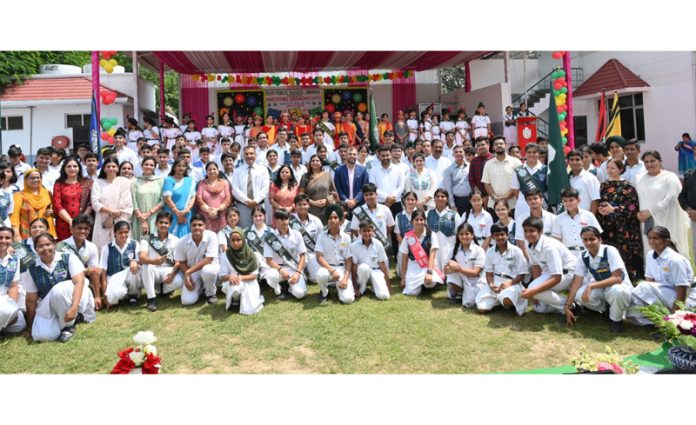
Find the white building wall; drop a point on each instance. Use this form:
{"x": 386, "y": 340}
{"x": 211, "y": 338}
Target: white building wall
{"x": 494, "y": 97}
{"x": 522, "y": 74}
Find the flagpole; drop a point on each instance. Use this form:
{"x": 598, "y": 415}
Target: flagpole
{"x": 569, "y": 101}
{"x": 95, "y": 81}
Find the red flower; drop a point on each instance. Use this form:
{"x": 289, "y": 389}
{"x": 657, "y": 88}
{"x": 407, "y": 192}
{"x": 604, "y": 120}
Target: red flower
{"x": 124, "y": 366}
{"x": 150, "y": 366}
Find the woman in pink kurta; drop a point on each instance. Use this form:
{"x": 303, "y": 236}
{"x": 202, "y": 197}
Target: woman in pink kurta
{"x": 283, "y": 190}
{"x": 213, "y": 197}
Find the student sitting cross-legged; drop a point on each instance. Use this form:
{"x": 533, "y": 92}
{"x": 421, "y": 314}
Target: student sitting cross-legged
{"x": 419, "y": 252}
{"x": 369, "y": 263}
{"x": 239, "y": 273}
{"x": 120, "y": 268}
{"x": 11, "y": 316}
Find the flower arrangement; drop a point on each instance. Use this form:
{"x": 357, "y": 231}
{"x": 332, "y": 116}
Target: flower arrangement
{"x": 141, "y": 359}
{"x": 609, "y": 361}
{"x": 679, "y": 327}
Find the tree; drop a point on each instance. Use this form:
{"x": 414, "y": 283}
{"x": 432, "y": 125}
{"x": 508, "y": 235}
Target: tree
{"x": 171, "y": 87}
{"x": 17, "y": 66}
{"x": 452, "y": 78}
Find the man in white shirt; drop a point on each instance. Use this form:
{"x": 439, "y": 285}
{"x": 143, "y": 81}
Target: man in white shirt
{"x": 306, "y": 149}
{"x": 163, "y": 166}
{"x": 286, "y": 255}
{"x": 396, "y": 152}
{"x": 89, "y": 168}
{"x": 568, "y": 224}
{"x": 262, "y": 149}
{"x": 389, "y": 180}
{"x": 249, "y": 193}
{"x": 333, "y": 257}
{"x": 196, "y": 256}
{"x": 282, "y": 147}
{"x": 633, "y": 166}
{"x": 534, "y": 200}
{"x": 319, "y": 140}
{"x": 298, "y": 169}
{"x": 123, "y": 152}
{"x": 15, "y": 154}
{"x": 369, "y": 263}
{"x": 497, "y": 174}
{"x": 437, "y": 162}
{"x": 585, "y": 183}
{"x": 43, "y": 160}
{"x": 157, "y": 259}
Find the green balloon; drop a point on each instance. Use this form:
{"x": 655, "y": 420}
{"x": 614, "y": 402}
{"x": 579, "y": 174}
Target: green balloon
{"x": 564, "y": 140}
{"x": 564, "y": 90}
{"x": 258, "y": 110}
{"x": 357, "y": 97}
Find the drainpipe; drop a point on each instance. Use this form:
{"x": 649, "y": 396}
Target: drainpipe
{"x": 31, "y": 131}
{"x": 136, "y": 106}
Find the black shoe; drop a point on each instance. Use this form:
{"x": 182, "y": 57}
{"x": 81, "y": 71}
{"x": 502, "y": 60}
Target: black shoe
{"x": 80, "y": 318}
{"x": 67, "y": 333}
{"x": 323, "y": 300}
{"x": 152, "y": 304}
{"x": 133, "y": 301}
{"x": 576, "y": 309}
{"x": 282, "y": 296}
{"x": 211, "y": 299}
{"x": 615, "y": 327}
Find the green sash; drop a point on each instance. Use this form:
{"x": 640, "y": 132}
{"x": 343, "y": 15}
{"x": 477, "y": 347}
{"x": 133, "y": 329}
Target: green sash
{"x": 306, "y": 237}
{"x": 277, "y": 247}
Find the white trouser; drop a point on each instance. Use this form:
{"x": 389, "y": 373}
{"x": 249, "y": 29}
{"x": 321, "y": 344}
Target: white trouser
{"x": 153, "y": 276}
{"x": 298, "y": 290}
{"x": 203, "y": 281}
{"x": 469, "y": 289}
{"x": 247, "y": 293}
{"x": 645, "y": 294}
{"x": 50, "y": 312}
{"x": 415, "y": 279}
{"x": 345, "y": 295}
{"x": 10, "y": 311}
{"x": 312, "y": 266}
{"x": 617, "y": 296}
{"x": 376, "y": 277}
{"x": 480, "y": 132}
{"x": 551, "y": 301}
{"x": 123, "y": 283}
{"x": 486, "y": 299}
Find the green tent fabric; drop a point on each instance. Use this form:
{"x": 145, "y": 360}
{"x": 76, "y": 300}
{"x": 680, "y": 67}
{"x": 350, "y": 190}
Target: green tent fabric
{"x": 657, "y": 358}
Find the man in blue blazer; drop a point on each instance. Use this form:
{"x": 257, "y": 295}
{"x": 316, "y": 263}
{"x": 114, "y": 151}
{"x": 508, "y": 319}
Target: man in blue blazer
{"x": 350, "y": 172}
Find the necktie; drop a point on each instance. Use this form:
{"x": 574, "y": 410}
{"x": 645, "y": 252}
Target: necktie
{"x": 250, "y": 186}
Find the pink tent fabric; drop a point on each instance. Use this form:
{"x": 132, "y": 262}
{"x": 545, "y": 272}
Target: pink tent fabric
{"x": 194, "y": 99}
{"x": 403, "y": 94}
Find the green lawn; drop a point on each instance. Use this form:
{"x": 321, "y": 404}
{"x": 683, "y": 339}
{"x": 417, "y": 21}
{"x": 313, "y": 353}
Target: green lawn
{"x": 425, "y": 334}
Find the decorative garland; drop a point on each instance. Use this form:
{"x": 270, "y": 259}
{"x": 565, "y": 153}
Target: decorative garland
{"x": 271, "y": 80}
{"x": 560, "y": 88}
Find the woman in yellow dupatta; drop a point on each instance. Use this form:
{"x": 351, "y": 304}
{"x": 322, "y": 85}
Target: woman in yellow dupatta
{"x": 31, "y": 203}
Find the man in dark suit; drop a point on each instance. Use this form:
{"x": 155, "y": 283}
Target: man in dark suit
{"x": 349, "y": 179}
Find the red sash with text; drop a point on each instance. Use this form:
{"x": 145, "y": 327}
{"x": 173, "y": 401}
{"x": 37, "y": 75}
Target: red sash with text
{"x": 419, "y": 253}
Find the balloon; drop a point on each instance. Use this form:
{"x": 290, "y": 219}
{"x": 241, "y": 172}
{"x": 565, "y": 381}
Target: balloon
{"x": 239, "y": 98}
{"x": 196, "y": 77}
{"x": 557, "y": 86}
{"x": 111, "y": 140}
{"x": 564, "y": 90}
{"x": 106, "y": 54}
{"x": 258, "y": 111}
{"x": 113, "y": 62}
{"x": 330, "y": 107}
{"x": 108, "y": 68}
{"x": 211, "y": 77}
{"x": 105, "y": 136}
{"x": 111, "y": 131}
{"x": 251, "y": 101}
{"x": 103, "y": 62}
{"x": 106, "y": 123}
{"x": 559, "y": 109}
{"x": 556, "y": 55}
{"x": 564, "y": 131}
{"x": 227, "y": 101}
{"x": 336, "y": 98}
{"x": 564, "y": 139}
{"x": 346, "y": 95}
{"x": 362, "y": 107}
{"x": 357, "y": 97}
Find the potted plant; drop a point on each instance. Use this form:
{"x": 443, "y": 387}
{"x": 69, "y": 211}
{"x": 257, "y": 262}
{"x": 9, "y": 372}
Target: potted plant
{"x": 680, "y": 330}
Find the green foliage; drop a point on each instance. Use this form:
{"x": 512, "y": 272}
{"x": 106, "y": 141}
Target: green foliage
{"x": 171, "y": 88}
{"x": 589, "y": 361}
{"x": 452, "y": 78}
{"x": 656, "y": 314}
{"x": 16, "y": 66}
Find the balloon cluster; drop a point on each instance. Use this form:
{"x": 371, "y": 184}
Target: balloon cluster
{"x": 107, "y": 62}
{"x": 109, "y": 126}
{"x": 560, "y": 90}
{"x": 270, "y": 80}
{"x": 107, "y": 97}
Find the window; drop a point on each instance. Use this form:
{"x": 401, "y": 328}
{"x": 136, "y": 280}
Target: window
{"x": 632, "y": 115}
{"x": 580, "y": 123}
{"x": 12, "y": 123}
{"x": 77, "y": 120}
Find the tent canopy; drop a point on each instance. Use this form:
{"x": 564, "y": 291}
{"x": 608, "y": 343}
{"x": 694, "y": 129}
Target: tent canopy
{"x": 195, "y": 62}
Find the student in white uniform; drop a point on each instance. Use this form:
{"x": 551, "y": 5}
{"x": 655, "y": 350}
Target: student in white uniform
{"x": 309, "y": 226}
{"x": 87, "y": 252}
{"x": 286, "y": 255}
{"x": 668, "y": 276}
{"x": 56, "y": 297}
{"x": 232, "y": 216}
{"x": 569, "y": 223}
{"x": 369, "y": 262}
{"x": 552, "y": 268}
{"x": 196, "y": 256}
{"x": 480, "y": 219}
{"x": 379, "y": 215}
{"x": 418, "y": 263}
{"x": 535, "y": 201}
{"x": 11, "y": 316}
{"x": 333, "y": 256}
{"x": 502, "y": 211}
{"x": 255, "y": 235}
{"x": 160, "y": 274}
{"x": 586, "y": 184}
{"x": 464, "y": 269}
{"x": 481, "y": 122}
{"x": 239, "y": 273}
{"x": 412, "y": 125}
{"x": 600, "y": 278}
{"x": 120, "y": 268}
{"x": 462, "y": 127}
{"x": 505, "y": 268}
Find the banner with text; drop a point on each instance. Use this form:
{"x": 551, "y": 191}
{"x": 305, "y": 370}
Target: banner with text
{"x": 293, "y": 100}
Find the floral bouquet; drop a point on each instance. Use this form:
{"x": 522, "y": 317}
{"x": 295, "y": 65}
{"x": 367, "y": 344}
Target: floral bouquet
{"x": 141, "y": 359}
{"x": 607, "y": 362}
{"x": 679, "y": 328}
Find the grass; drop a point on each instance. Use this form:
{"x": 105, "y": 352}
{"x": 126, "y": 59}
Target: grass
{"x": 425, "y": 334}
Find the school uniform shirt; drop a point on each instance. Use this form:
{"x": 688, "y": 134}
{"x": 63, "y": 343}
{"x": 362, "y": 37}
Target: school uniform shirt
{"x": 75, "y": 267}
{"x": 104, "y": 257}
{"x": 568, "y": 228}
{"x": 552, "y": 256}
{"x": 480, "y": 121}
{"x": 226, "y": 268}
{"x": 475, "y": 256}
{"x": 588, "y": 187}
{"x": 335, "y": 250}
{"x": 547, "y": 217}
{"x": 89, "y": 253}
{"x": 283, "y": 153}
{"x": 511, "y": 262}
{"x": 381, "y": 217}
{"x": 261, "y": 155}
{"x": 152, "y": 135}
{"x": 669, "y": 270}
{"x": 405, "y": 169}
{"x": 438, "y": 166}
{"x": 127, "y": 154}
{"x": 19, "y": 170}
{"x": 210, "y": 133}
{"x": 312, "y": 150}
{"x": 187, "y": 250}
{"x": 312, "y": 225}
{"x": 521, "y": 206}
{"x": 371, "y": 255}
{"x": 390, "y": 181}
{"x": 15, "y": 277}
{"x": 631, "y": 172}
{"x": 192, "y": 137}
{"x": 298, "y": 172}
{"x": 481, "y": 223}
{"x": 170, "y": 134}
{"x": 434, "y": 244}
{"x": 171, "y": 243}
{"x": 292, "y": 242}
{"x": 613, "y": 259}
{"x": 49, "y": 177}
{"x": 161, "y": 172}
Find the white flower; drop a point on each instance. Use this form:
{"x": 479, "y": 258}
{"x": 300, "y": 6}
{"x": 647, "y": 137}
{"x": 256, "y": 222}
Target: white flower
{"x": 138, "y": 357}
{"x": 150, "y": 349}
{"x": 145, "y": 338}
{"x": 686, "y": 325}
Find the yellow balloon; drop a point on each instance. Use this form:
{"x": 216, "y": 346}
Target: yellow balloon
{"x": 211, "y": 77}
{"x": 196, "y": 77}
{"x": 112, "y": 131}
{"x": 108, "y": 68}
{"x": 113, "y": 62}
{"x": 564, "y": 131}
{"x": 103, "y": 62}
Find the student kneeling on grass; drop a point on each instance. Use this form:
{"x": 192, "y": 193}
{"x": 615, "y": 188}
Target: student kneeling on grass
{"x": 309, "y": 227}
{"x": 87, "y": 252}
{"x": 464, "y": 279}
{"x": 239, "y": 273}
{"x": 552, "y": 268}
{"x": 120, "y": 268}
{"x": 600, "y": 278}
{"x": 285, "y": 254}
{"x": 196, "y": 256}
{"x": 568, "y": 225}
{"x": 11, "y": 316}
{"x": 418, "y": 262}
{"x": 333, "y": 257}
{"x": 505, "y": 267}
{"x": 160, "y": 274}
{"x": 56, "y": 296}
{"x": 369, "y": 253}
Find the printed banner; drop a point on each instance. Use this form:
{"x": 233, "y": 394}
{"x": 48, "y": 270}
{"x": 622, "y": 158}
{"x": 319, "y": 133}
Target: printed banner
{"x": 292, "y": 100}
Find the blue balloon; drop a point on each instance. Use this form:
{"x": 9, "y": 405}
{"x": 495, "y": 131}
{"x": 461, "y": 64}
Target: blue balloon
{"x": 347, "y": 95}
{"x": 251, "y": 100}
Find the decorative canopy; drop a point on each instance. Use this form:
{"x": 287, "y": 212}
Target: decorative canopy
{"x": 196, "y": 62}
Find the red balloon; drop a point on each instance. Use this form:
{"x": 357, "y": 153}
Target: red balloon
{"x": 556, "y": 55}
{"x": 105, "y": 136}
{"x": 331, "y": 108}
{"x": 559, "y": 109}
{"x": 239, "y": 98}
{"x": 557, "y": 86}
{"x": 111, "y": 140}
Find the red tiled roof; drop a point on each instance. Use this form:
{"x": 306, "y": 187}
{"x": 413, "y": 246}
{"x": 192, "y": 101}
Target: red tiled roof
{"x": 613, "y": 75}
{"x": 69, "y": 88}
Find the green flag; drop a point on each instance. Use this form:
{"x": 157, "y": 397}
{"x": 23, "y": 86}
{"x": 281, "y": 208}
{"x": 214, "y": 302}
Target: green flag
{"x": 557, "y": 176}
{"x": 374, "y": 128}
